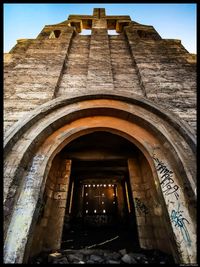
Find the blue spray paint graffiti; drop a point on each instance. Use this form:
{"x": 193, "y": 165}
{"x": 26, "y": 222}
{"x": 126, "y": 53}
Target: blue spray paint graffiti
{"x": 179, "y": 221}
{"x": 168, "y": 187}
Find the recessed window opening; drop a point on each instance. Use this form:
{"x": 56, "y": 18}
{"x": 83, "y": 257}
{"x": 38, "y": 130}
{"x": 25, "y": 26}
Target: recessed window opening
{"x": 86, "y": 32}
{"x": 54, "y": 34}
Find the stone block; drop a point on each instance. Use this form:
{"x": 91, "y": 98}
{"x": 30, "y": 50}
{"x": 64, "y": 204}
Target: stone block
{"x": 63, "y": 181}
{"x": 127, "y": 259}
{"x": 141, "y": 220}
{"x": 53, "y": 256}
{"x": 145, "y": 231}
{"x": 63, "y": 187}
{"x": 49, "y": 193}
{"x": 60, "y": 195}
{"x": 62, "y": 203}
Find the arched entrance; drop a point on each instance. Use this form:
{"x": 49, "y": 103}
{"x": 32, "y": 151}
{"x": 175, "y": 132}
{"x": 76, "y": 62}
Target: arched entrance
{"x": 160, "y": 140}
{"x": 98, "y": 200}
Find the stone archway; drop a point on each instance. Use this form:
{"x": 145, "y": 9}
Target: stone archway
{"x": 99, "y": 164}
{"x": 32, "y": 146}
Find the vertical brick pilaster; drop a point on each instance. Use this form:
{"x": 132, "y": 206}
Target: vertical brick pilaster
{"x": 99, "y": 66}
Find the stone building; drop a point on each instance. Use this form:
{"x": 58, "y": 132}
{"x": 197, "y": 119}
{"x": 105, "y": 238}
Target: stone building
{"x": 94, "y": 110}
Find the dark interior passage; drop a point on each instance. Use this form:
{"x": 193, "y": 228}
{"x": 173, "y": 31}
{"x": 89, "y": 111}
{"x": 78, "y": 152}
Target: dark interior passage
{"x": 99, "y": 206}
{"x": 100, "y": 216}
{"x": 99, "y": 191}
{"x": 113, "y": 237}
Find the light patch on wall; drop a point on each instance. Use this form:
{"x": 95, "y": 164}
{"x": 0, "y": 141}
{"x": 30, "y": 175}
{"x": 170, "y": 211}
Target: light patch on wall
{"x": 85, "y": 32}
{"x": 112, "y": 32}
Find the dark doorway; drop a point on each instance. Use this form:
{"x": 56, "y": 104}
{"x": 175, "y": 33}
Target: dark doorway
{"x": 100, "y": 215}
{"x": 99, "y": 206}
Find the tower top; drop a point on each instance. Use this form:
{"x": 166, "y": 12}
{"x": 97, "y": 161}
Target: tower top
{"x": 98, "y": 19}
{"x": 99, "y": 13}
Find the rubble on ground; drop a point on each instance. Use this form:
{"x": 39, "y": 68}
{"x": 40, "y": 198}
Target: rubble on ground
{"x": 99, "y": 256}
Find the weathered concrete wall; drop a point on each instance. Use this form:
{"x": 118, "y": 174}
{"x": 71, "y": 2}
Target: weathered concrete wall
{"x": 150, "y": 218}
{"x": 99, "y": 68}
{"x": 124, "y": 71}
{"x": 44, "y": 213}
{"x": 74, "y": 75}
{"x": 53, "y": 234}
{"x": 137, "y": 60}
{"x": 167, "y": 72}
{"x": 32, "y": 73}
{"x": 48, "y": 230}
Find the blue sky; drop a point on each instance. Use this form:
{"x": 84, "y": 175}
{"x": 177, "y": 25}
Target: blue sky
{"x": 172, "y": 21}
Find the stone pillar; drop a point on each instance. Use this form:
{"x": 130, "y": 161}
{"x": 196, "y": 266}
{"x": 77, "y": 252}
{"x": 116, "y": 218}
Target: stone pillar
{"x": 121, "y": 202}
{"x": 48, "y": 231}
{"x": 152, "y": 225}
{"x": 45, "y": 211}
{"x": 99, "y": 67}
{"x": 53, "y": 233}
{"x": 143, "y": 216}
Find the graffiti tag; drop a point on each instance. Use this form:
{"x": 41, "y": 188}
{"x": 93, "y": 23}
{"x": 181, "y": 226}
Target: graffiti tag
{"x": 179, "y": 247}
{"x": 30, "y": 179}
{"x": 167, "y": 184}
{"x": 179, "y": 221}
{"x": 140, "y": 206}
